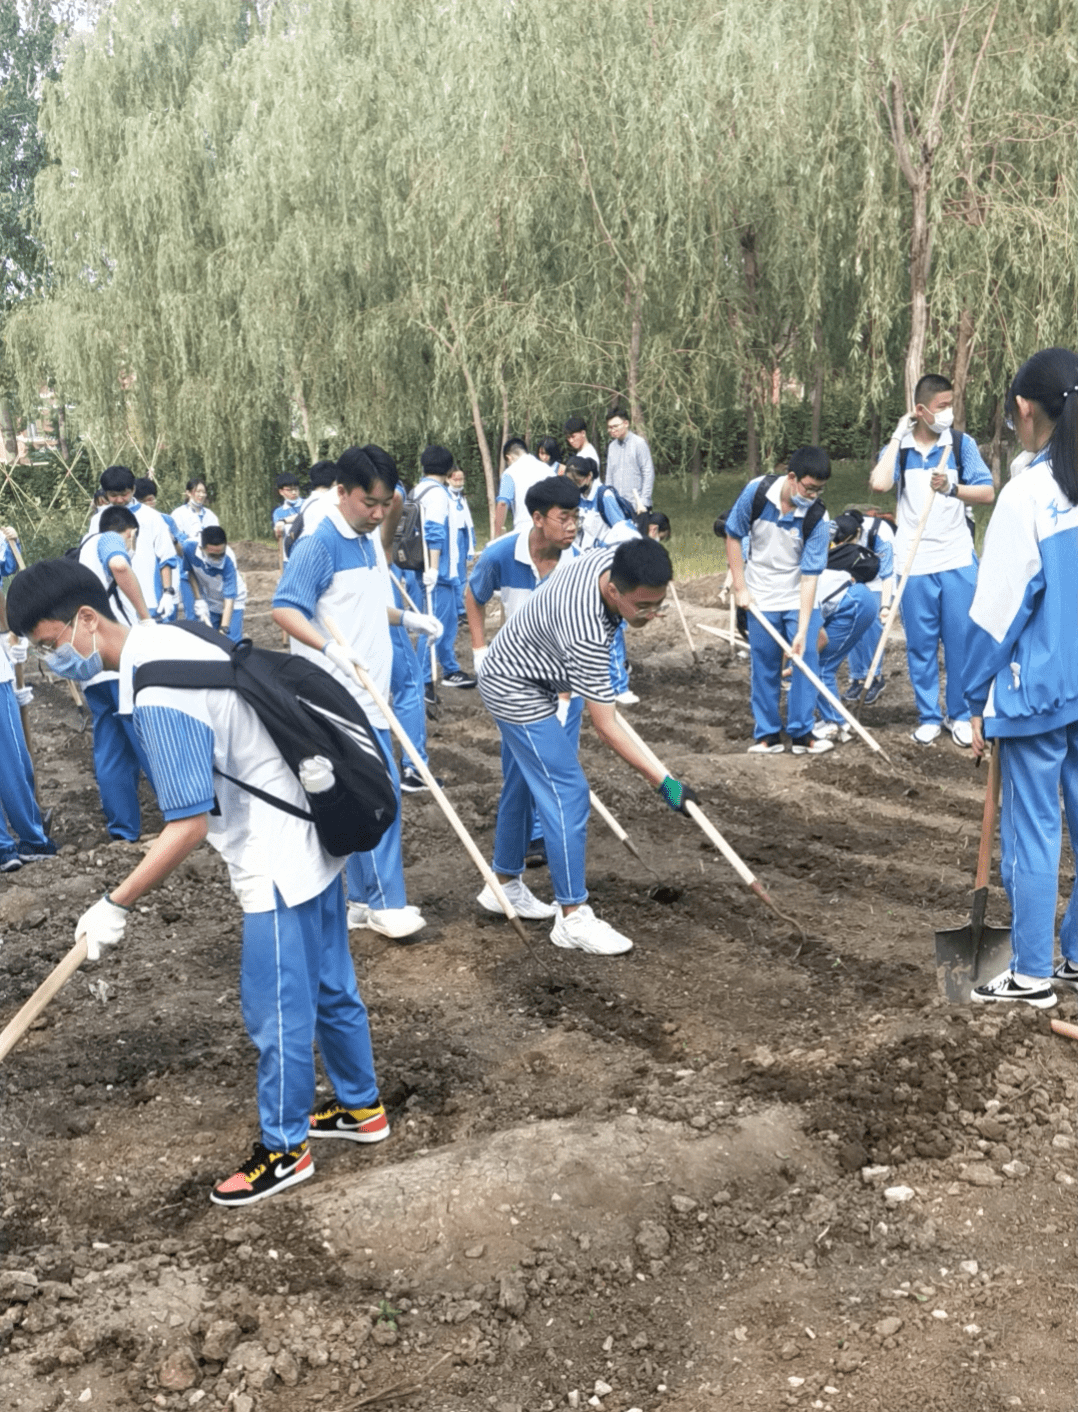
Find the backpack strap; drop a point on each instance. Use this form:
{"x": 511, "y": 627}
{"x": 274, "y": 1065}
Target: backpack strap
{"x": 761, "y": 494}
{"x": 812, "y": 518}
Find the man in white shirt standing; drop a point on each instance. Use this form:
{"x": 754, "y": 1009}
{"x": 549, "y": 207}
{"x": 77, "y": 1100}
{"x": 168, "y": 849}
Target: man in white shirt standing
{"x": 523, "y": 471}
{"x": 154, "y": 555}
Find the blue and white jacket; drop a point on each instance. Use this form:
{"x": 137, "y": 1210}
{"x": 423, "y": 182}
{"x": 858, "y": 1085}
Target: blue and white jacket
{"x": 1021, "y": 667}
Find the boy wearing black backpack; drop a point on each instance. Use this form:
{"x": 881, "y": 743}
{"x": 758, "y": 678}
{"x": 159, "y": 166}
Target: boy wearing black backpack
{"x": 789, "y": 543}
{"x": 847, "y": 608}
{"x": 297, "y": 982}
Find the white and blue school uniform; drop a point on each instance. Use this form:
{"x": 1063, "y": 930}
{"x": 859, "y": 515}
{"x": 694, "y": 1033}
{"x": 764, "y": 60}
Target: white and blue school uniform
{"x": 516, "y": 482}
{"x": 154, "y": 550}
{"x": 862, "y": 651}
{"x": 463, "y": 535}
{"x": 297, "y": 980}
{"x": 604, "y": 522}
{"x": 847, "y": 609}
{"x": 286, "y": 512}
{"x": 9, "y": 565}
{"x": 942, "y": 582}
{"x": 435, "y": 508}
{"x": 506, "y": 567}
{"x": 24, "y": 832}
{"x": 779, "y": 559}
{"x": 336, "y": 572}
{"x": 190, "y": 519}
{"x": 217, "y": 582}
{"x": 1020, "y": 675}
{"x": 118, "y": 756}
{"x": 558, "y": 641}
{"x": 406, "y": 678}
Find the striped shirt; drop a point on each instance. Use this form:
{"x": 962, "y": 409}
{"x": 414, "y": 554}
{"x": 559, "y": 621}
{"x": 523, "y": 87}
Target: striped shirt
{"x": 559, "y": 641}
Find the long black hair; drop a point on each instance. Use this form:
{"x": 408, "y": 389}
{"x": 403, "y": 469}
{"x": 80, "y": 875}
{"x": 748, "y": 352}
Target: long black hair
{"x": 1050, "y": 379}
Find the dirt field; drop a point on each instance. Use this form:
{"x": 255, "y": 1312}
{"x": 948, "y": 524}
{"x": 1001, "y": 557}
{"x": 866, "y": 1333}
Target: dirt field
{"x": 727, "y": 1171}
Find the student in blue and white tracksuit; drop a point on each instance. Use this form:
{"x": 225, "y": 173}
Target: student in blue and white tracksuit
{"x": 154, "y": 558}
{"x": 462, "y": 532}
{"x": 282, "y": 516}
{"x": 194, "y": 515}
{"x": 441, "y": 578}
{"x": 876, "y": 534}
{"x": 921, "y": 461}
{"x": 118, "y": 755}
{"x": 847, "y": 609}
{"x": 514, "y": 566}
{"x": 297, "y": 980}
{"x": 780, "y": 578}
{"x": 339, "y": 573}
{"x": 219, "y": 587}
{"x": 24, "y": 838}
{"x": 604, "y": 522}
{"x": 523, "y": 471}
{"x": 1020, "y": 676}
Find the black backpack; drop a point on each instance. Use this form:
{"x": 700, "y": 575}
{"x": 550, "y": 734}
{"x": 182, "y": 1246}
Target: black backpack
{"x": 407, "y": 549}
{"x": 811, "y": 519}
{"x": 306, "y": 712}
{"x": 855, "y": 559}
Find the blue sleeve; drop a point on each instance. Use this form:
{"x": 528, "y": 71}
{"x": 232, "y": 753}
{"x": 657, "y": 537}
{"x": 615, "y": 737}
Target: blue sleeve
{"x": 8, "y": 564}
{"x": 973, "y": 469}
{"x": 738, "y": 521}
{"x": 188, "y": 550}
{"x": 610, "y": 509}
{"x": 815, "y": 552}
{"x": 307, "y": 575}
{"x": 180, "y": 750}
{"x": 435, "y": 535}
{"x": 486, "y": 577}
{"x": 109, "y": 546}
{"x": 506, "y": 490}
{"x": 986, "y": 656}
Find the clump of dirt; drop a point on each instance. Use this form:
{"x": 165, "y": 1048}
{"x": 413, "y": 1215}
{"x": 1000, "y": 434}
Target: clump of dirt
{"x": 733, "y": 1168}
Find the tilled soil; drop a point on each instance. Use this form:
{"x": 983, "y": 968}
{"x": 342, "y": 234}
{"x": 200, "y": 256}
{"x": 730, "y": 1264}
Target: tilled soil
{"x": 744, "y": 1166}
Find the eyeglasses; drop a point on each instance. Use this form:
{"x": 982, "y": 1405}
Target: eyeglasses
{"x": 810, "y": 491}
{"x": 46, "y": 648}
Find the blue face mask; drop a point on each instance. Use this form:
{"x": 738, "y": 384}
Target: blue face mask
{"x": 803, "y": 501}
{"x": 66, "y": 662}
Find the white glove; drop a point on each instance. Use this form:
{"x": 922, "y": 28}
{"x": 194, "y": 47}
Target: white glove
{"x": 883, "y": 613}
{"x": 202, "y": 612}
{"x": 17, "y": 649}
{"x": 102, "y": 926}
{"x": 478, "y": 655}
{"x": 430, "y": 578}
{"x": 166, "y": 608}
{"x": 903, "y": 426}
{"x": 344, "y": 658}
{"x": 426, "y": 623}
{"x": 24, "y": 695}
{"x": 562, "y": 710}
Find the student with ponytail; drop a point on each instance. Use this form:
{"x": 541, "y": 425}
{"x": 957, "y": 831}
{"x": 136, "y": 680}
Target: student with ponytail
{"x": 1020, "y": 677}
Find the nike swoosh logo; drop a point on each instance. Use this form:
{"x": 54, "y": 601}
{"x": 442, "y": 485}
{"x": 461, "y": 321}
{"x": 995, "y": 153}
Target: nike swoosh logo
{"x": 281, "y": 1170}
{"x": 344, "y": 1124}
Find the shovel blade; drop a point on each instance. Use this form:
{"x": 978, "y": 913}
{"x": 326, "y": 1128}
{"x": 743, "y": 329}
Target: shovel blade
{"x": 966, "y": 959}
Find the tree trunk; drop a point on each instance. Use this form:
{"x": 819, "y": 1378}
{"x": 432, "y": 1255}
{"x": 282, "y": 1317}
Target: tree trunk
{"x": 61, "y": 433}
{"x": 633, "y": 371}
{"x": 996, "y": 453}
{"x": 875, "y": 434}
{"x": 481, "y": 441}
{"x": 818, "y": 394}
{"x": 305, "y": 419}
{"x": 965, "y": 339}
{"x": 695, "y": 473}
{"x": 919, "y": 278}
{"x": 752, "y": 457}
{"x": 7, "y": 431}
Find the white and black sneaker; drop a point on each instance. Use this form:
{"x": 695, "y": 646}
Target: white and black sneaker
{"x": 809, "y": 745}
{"x": 413, "y": 782}
{"x": 1009, "y": 986}
{"x": 1065, "y": 974}
{"x": 459, "y": 679}
{"x": 767, "y": 745}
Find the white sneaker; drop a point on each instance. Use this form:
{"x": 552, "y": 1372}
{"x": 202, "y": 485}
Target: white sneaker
{"x": 627, "y": 698}
{"x": 583, "y": 930}
{"x": 825, "y": 730}
{"x": 808, "y": 745}
{"x": 395, "y": 922}
{"x": 961, "y": 734}
{"x": 926, "y": 734}
{"x": 521, "y": 899}
{"x": 359, "y": 912}
{"x": 767, "y": 745}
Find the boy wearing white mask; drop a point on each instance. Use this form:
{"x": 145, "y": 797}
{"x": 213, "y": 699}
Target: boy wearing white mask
{"x": 925, "y": 456}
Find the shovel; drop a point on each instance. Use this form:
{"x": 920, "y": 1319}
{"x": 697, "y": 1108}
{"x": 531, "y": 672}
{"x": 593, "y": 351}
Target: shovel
{"x": 967, "y": 956}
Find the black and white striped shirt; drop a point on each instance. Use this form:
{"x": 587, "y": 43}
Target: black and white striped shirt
{"x": 559, "y": 641}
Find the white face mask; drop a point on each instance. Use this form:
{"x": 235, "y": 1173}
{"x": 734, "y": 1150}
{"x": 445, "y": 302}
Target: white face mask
{"x": 942, "y": 421}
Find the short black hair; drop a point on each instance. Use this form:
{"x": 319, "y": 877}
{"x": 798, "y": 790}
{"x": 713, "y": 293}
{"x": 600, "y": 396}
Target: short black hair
{"x": 116, "y": 479}
{"x": 322, "y": 473}
{"x": 617, "y": 413}
{"x": 660, "y": 520}
{"x": 551, "y": 446}
{"x": 213, "y": 534}
{"x": 556, "y": 492}
{"x": 144, "y": 486}
{"x": 574, "y": 424}
{"x": 928, "y": 387}
{"x": 847, "y": 526}
{"x": 384, "y": 464}
{"x": 287, "y": 478}
{"x": 514, "y": 443}
{"x": 355, "y": 468}
{"x": 639, "y": 562}
{"x": 582, "y": 466}
{"x": 53, "y": 589}
{"x": 196, "y": 480}
{"x": 115, "y": 519}
{"x": 810, "y": 461}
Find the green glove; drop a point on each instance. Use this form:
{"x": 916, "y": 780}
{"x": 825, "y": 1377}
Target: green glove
{"x": 677, "y": 795}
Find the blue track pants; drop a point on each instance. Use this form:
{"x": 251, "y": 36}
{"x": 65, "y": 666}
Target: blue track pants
{"x": 298, "y": 986}
{"x": 856, "y": 611}
{"x": 378, "y": 878}
{"x": 861, "y": 653}
{"x": 407, "y": 691}
{"x": 935, "y": 609}
{"x": 16, "y": 780}
{"x": 1038, "y": 776}
{"x": 766, "y": 662}
{"x": 118, "y": 758}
